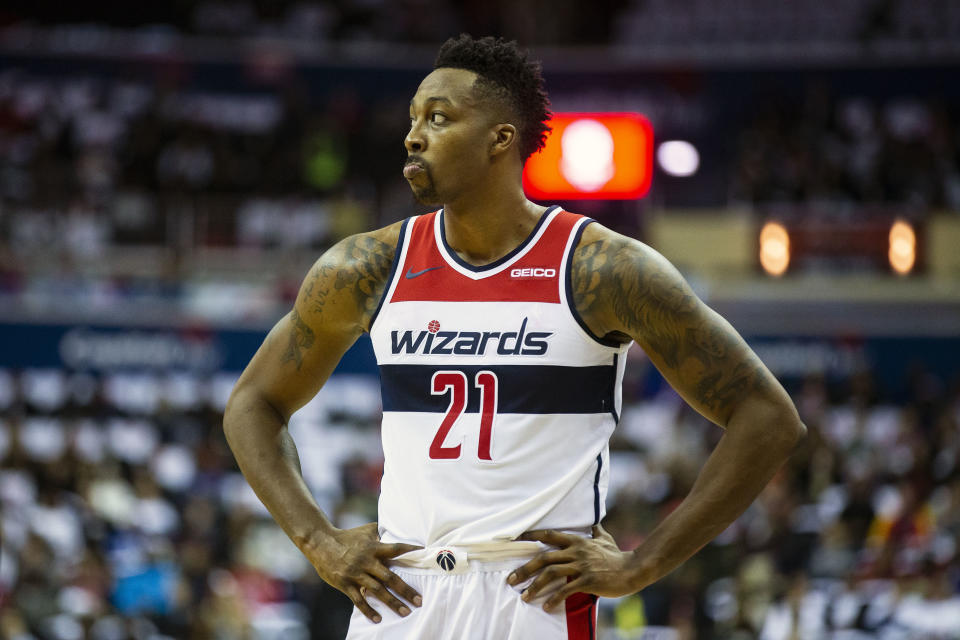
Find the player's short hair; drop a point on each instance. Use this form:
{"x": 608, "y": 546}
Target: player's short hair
{"x": 505, "y": 74}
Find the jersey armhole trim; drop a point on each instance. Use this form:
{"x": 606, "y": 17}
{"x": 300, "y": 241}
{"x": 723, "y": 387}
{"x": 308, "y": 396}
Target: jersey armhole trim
{"x": 398, "y": 255}
{"x": 568, "y": 286}
{"x": 596, "y": 490}
{"x": 617, "y": 384}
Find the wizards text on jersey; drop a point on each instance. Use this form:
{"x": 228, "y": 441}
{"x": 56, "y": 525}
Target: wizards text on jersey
{"x": 432, "y": 341}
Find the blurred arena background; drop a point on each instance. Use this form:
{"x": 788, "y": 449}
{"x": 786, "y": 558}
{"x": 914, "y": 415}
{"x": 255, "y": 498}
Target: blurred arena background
{"x": 168, "y": 174}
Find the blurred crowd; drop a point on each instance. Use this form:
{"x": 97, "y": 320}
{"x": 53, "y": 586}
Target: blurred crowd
{"x": 86, "y": 162}
{"x": 822, "y": 150}
{"x": 124, "y": 515}
{"x": 630, "y": 23}
{"x": 659, "y": 23}
{"x": 319, "y": 23}
{"x": 856, "y": 537}
{"x": 92, "y": 162}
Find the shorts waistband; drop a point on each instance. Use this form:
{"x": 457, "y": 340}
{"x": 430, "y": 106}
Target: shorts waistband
{"x": 458, "y": 559}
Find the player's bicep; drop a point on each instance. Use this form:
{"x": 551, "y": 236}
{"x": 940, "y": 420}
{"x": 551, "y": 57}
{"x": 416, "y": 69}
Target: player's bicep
{"x": 304, "y": 347}
{"x": 699, "y": 353}
{"x": 294, "y": 361}
{"x": 708, "y": 363}
{"x": 335, "y": 304}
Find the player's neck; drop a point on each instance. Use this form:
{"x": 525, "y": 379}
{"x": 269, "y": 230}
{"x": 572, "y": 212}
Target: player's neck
{"x": 486, "y": 229}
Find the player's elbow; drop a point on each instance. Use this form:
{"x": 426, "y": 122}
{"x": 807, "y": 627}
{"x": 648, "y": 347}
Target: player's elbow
{"x": 794, "y": 431}
{"x": 237, "y": 405}
{"x": 786, "y": 429}
{"x": 247, "y": 409}
{"x": 774, "y": 422}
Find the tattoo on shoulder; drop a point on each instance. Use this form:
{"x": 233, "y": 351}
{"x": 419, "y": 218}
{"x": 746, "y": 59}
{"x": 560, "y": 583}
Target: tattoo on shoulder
{"x": 586, "y": 275}
{"x": 360, "y": 265}
{"x": 701, "y": 351}
{"x": 366, "y": 271}
{"x": 315, "y": 293}
{"x": 301, "y": 339}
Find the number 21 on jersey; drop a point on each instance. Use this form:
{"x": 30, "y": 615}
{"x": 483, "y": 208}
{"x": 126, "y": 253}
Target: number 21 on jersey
{"x": 456, "y": 383}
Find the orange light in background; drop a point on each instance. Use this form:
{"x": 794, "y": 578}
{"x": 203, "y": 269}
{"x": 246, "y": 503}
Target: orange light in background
{"x": 903, "y": 247}
{"x": 774, "y": 248}
{"x": 595, "y": 156}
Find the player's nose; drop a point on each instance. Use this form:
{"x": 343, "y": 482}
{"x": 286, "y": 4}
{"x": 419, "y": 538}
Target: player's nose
{"x": 415, "y": 142}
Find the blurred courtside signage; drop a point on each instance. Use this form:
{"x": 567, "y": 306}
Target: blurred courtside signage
{"x": 874, "y": 243}
{"x": 592, "y": 156}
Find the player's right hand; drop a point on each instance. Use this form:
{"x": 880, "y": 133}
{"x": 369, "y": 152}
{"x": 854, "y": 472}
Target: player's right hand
{"x": 355, "y": 562}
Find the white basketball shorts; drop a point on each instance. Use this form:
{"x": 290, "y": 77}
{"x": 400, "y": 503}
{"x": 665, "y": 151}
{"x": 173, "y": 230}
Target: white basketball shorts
{"x": 466, "y": 597}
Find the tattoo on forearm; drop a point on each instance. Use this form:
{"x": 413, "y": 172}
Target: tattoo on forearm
{"x": 705, "y": 354}
{"x": 301, "y": 339}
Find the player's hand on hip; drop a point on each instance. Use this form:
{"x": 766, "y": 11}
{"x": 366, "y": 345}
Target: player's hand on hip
{"x": 590, "y": 565}
{"x": 355, "y": 562}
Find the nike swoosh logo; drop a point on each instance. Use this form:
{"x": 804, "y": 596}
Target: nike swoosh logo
{"x": 411, "y": 274}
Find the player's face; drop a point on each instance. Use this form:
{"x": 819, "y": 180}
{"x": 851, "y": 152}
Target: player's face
{"x": 449, "y": 139}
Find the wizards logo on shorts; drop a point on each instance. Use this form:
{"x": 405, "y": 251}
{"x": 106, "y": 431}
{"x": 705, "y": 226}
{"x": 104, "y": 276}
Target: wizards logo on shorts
{"x": 446, "y": 560}
{"x": 433, "y": 341}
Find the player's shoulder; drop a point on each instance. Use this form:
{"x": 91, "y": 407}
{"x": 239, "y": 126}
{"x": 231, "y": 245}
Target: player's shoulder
{"x": 609, "y": 272}
{"x": 379, "y": 241}
{"x": 388, "y": 235}
{"x": 370, "y": 252}
{"x": 346, "y": 282}
{"x": 600, "y": 248}
{"x": 596, "y": 232}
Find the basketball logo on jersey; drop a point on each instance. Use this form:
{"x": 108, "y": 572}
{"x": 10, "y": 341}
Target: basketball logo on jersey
{"x": 446, "y": 560}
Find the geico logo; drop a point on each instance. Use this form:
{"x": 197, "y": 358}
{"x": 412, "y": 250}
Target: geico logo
{"x": 533, "y": 272}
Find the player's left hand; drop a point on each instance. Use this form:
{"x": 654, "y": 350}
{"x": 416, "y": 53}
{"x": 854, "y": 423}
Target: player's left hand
{"x": 591, "y": 565}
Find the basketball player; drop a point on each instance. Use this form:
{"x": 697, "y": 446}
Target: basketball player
{"x": 500, "y": 329}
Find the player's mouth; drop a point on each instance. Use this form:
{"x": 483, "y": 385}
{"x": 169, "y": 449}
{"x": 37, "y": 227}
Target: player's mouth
{"x": 413, "y": 167}
{"x": 411, "y": 170}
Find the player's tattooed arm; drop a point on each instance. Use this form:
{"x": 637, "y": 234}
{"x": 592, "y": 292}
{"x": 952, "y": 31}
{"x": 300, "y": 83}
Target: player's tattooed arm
{"x": 623, "y": 289}
{"x": 357, "y": 267}
{"x": 301, "y": 338}
{"x": 334, "y": 306}
{"x": 340, "y": 292}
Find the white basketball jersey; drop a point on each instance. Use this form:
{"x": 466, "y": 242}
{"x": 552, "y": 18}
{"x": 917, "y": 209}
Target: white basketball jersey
{"x": 498, "y": 402}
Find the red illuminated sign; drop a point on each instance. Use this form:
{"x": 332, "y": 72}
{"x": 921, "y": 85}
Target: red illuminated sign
{"x": 592, "y": 156}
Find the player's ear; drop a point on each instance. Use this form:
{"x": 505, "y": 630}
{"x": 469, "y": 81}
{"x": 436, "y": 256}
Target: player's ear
{"x": 503, "y": 136}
